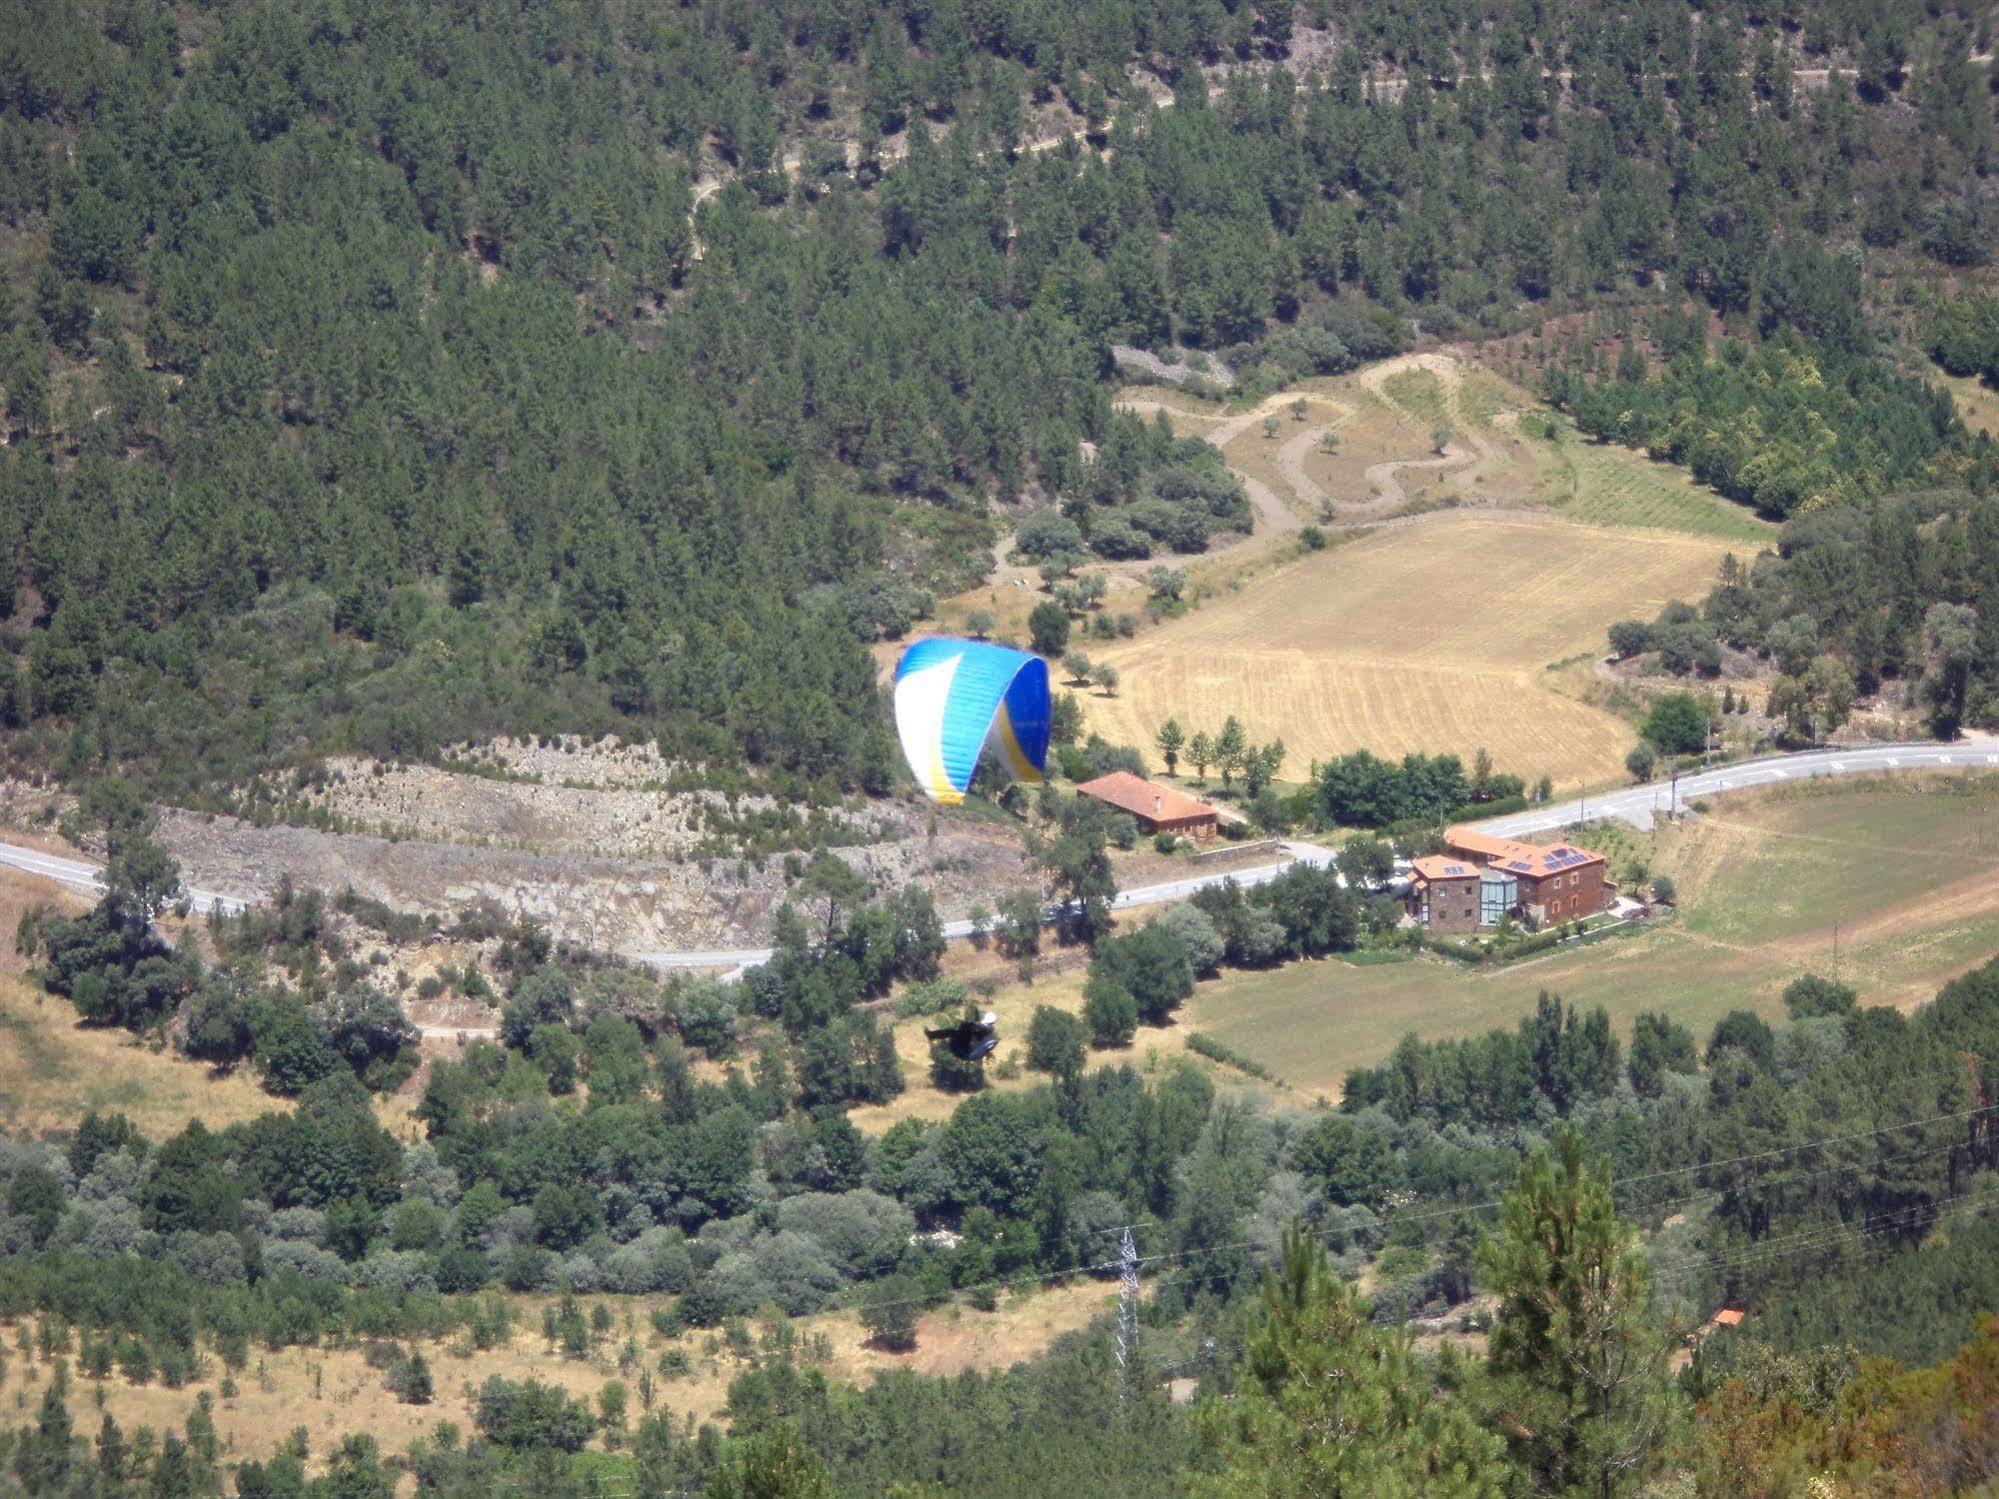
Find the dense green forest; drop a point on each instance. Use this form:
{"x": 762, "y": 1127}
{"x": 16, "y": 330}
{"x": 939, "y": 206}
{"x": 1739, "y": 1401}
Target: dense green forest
{"x": 374, "y": 379}
{"x": 1897, "y": 595}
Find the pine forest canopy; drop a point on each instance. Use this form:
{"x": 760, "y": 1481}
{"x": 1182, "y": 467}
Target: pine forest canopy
{"x": 373, "y": 379}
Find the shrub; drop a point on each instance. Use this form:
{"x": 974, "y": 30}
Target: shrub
{"x": 1055, "y": 1041}
{"x": 1048, "y": 628}
{"x": 1216, "y": 1051}
{"x": 1195, "y": 929}
{"x": 1814, "y": 996}
{"x": 1153, "y": 966}
{"x": 863, "y": 1232}
{"x": 1109, "y": 1011}
{"x": 544, "y": 997}
{"x": 888, "y": 1312}
{"x": 1677, "y": 724}
{"x": 1048, "y": 533}
{"x": 409, "y": 1380}
{"x": 530, "y": 1415}
{"x": 1630, "y": 637}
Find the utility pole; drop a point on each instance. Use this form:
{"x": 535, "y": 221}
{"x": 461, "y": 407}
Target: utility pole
{"x": 1674, "y": 804}
{"x": 1127, "y": 1314}
{"x": 1835, "y": 947}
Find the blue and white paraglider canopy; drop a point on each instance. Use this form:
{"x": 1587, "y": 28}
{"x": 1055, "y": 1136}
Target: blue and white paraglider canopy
{"x": 955, "y": 697}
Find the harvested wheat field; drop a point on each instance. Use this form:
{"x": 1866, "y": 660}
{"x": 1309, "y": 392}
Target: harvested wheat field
{"x": 1435, "y": 636}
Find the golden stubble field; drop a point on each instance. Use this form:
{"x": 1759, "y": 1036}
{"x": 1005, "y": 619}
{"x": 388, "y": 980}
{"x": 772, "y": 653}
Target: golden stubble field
{"x": 1436, "y": 637}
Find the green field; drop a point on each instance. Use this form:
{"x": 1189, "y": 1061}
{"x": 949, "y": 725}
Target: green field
{"x": 1908, "y": 869}
{"x": 1612, "y": 486}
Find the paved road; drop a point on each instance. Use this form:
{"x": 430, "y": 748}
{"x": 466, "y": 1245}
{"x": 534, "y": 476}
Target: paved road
{"x": 738, "y": 959}
{"x": 90, "y": 877}
{"x": 1637, "y": 805}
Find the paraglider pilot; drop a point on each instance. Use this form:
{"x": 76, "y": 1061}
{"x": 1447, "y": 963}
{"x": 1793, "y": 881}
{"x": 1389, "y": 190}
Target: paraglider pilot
{"x": 971, "y": 1038}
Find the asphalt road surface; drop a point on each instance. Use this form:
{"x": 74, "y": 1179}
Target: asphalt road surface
{"x": 1637, "y": 805}
{"x": 90, "y": 877}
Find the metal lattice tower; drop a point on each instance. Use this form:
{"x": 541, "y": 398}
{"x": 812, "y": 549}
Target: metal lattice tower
{"x": 1127, "y": 1312}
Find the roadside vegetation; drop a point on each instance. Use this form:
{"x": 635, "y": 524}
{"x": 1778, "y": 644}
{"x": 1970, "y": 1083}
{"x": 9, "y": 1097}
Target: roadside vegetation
{"x": 381, "y": 381}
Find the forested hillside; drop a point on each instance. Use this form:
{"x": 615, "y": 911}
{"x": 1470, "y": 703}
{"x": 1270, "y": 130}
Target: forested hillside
{"x": 384, "y": 375}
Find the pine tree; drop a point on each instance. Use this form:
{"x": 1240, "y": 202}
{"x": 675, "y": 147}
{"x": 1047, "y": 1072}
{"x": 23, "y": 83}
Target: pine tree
{"x": 1331, "y": 1404}
{"x": 1577, "y": 1350}
{"x": 1230, "y": 747}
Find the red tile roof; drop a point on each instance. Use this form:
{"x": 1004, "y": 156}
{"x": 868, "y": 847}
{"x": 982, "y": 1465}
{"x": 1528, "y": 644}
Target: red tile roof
{"x": 1728, "y": 1316}
{"x": 1515, "y": 857}
{"x": 1438, "y": 867}
{"x": 1143, "y": 798}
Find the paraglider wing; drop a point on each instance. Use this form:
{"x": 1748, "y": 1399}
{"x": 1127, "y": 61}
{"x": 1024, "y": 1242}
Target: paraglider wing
{"x": 955, "y": 697}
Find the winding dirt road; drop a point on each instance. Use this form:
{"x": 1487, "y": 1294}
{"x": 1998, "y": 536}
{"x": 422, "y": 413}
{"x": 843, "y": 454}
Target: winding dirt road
{"x": 1449, "y": 374}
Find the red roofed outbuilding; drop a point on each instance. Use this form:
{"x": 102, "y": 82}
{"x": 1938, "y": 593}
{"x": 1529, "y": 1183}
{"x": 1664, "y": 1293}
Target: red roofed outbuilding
{"x": 1156, "y": 808}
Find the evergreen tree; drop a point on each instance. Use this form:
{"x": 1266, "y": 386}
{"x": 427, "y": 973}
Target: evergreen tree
{"x": 1333, "y": 1404}
{"x": 1577, "y": 1349}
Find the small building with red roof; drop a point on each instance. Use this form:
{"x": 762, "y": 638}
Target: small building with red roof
{"x": 1156, "y": 808}
{"x": 1443, "y": 893}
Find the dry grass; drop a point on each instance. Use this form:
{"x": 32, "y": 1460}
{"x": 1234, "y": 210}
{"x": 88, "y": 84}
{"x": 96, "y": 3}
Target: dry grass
{"x": 1977, "y": 402}
{"x": 1433, "y": 637}
{"x": 333, "y": 1391}
{"x": 1907, "y": 867}
{"x": 53, "y": 1070}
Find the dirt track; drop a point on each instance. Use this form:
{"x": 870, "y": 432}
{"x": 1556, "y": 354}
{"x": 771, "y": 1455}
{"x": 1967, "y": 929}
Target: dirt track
{"x": 1449, "y": 374}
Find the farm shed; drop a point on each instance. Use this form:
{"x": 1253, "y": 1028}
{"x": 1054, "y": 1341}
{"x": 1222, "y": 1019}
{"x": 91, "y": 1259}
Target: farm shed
{"x": 1157, "y": 809}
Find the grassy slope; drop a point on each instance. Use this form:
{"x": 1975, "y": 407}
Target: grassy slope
{"x": 1610, "y": 486}
{"x": 53, "y": 1070}
{"x": 1907, "y": 869}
